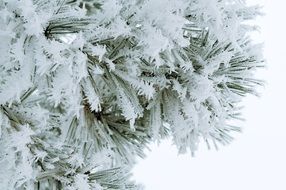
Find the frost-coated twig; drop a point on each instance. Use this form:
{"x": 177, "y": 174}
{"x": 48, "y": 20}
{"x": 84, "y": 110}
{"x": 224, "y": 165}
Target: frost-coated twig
{"x": 85, "y": 85}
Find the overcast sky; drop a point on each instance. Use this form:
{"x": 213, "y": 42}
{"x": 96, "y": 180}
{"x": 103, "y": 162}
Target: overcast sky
{"x": 256, "y": 160}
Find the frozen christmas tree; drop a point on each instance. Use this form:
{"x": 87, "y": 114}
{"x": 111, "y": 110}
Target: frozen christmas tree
{"x": 85, "y": 85}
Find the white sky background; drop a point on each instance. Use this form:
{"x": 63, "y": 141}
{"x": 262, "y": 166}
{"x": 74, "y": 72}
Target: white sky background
{"x": 256, "y": 160}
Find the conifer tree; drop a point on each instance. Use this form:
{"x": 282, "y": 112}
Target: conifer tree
{"x": 85, "y": 85}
